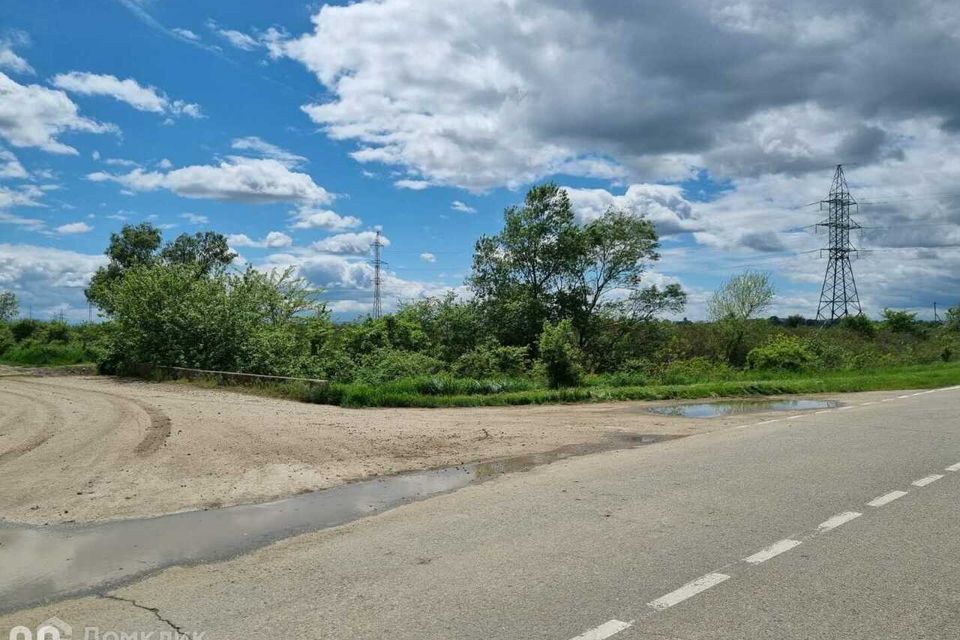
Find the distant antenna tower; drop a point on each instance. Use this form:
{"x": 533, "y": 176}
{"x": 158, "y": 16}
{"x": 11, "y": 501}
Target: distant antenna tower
{"x": 838, "y": 297}
{"x": 377, "y": 266}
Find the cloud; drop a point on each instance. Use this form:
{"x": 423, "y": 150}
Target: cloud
{"x": 194, "y": 218}
{"x": 10, "y": 60}
{"x": 462, "y": 207}
{"x": 10, "y": 166}
{"x": 264, "y": 149}
{"x": 347, "y": 281}
{"x": 46, "y": 279}
{"x": 349, "y": 243}
{"x": 237, "y": 39}
{"x": 128, "y": 91}
{"x": 428, "y": 257}
{"x": 664, "y": 205}
{"x": 273, "y": 240}
{"x": 74, "y": 228}
{"x": 310, "y": 218}
{"x": 34, "y": 116}
{"x": 186, "y": 33}
{"x": 481, "y": 95}
{"x": 235, "y": 179}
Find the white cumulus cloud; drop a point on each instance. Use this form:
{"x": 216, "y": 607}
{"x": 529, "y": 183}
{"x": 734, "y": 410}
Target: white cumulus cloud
{"x": 141, "y": 98}
{"x": 35, "y": 116}
{"x": 235, "y": 179}
{"x": 74, "y": 228}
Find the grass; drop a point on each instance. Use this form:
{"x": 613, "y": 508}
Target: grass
{"x": 46, "y": 355}
{"x": 452, "y": 392}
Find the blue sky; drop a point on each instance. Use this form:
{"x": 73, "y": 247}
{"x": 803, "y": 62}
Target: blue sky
{"x": 316, "y": 124}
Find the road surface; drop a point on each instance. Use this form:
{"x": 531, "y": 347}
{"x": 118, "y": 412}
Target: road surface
{"x": 836, "y": 524}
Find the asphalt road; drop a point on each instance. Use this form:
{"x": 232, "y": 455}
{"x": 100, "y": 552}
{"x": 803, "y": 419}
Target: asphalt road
{"x": 794, "y": 528}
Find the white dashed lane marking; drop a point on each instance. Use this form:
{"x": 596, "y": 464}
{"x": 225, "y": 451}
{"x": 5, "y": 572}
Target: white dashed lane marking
{"x": 688, "y": 590}
{"x": 613, "y": 627}
{"x": 772, "y": 551}
{"x": 837, "y": 520}
{"x": 886, "y": 498}
{"x": 605, "y": 630}
{"x": 922, "y": 482}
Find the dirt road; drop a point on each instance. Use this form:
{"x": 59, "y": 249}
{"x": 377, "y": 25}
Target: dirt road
{"x": 91, "y": 448}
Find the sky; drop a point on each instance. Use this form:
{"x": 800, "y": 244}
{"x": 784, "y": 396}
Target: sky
{"x": 298, "y": 130}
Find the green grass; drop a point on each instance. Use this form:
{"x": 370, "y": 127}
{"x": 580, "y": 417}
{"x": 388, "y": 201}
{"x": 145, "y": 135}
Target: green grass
{"x": 908, "y": 377}
{"x": 46, "y": 355}
{"x": 441, "y": 391}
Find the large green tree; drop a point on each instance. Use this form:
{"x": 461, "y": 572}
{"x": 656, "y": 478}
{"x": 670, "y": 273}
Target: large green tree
{"x": 544, "y": 267}
{"x": 520, "y": 274}
{"x": 141, "y": 246}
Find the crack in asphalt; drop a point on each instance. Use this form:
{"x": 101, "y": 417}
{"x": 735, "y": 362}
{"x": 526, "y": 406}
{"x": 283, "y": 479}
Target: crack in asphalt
{"x": 154, "y": 610}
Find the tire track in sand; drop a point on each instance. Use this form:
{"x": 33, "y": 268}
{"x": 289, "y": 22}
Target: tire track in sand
{"x": 157, "y": 432}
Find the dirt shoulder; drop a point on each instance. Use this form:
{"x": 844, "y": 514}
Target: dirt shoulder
{"x": 91, "y": 448}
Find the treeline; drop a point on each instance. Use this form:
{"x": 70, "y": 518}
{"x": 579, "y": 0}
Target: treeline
{"x": 555, "y": 303}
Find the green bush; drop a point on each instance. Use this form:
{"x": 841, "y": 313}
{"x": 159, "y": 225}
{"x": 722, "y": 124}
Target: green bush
{"x": 560, "y": 354}
{"x": 783, "y": 353}
{"x": 900, "y": 321}
{"x": 490, "y": 360}
{"x": 24, "y": 328}
{"x": 47, "y": 354}
{"x": 694, "y": 370}
{"x": 6, "y": 338}
{"x": 384, "y": 365}
{"x": 860, "y": 324}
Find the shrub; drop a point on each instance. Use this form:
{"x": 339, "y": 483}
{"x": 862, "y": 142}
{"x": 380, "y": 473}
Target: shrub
{"x": 783, "y": 353}
{"x": 694, "y": 370}
{"x": 6, "y": 338}
{"x": 490, "y": 360}
{"x": 24, "y": 328}
{"x": 860, "y": 324}
{"x": 900, "y": 321}
{"x": 560, "y": 354}
{"x": 384, "y": 365}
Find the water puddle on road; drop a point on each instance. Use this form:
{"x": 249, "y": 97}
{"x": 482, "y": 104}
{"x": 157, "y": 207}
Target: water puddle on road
{"x": 737, "y": 407}
{"x": 46, "y": 563}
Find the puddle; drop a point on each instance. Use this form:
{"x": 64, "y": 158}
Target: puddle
{"x": 47, "y": 563}
{"x": 737, "y": 407}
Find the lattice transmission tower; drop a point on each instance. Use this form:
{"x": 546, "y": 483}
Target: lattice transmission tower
{"x": 377, "y": 263}
{"x": 838, "y": 297}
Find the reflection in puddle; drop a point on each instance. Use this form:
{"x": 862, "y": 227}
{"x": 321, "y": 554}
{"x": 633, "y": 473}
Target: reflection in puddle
{"x": 736, "y": 407}
{"x": 40, "y": 564}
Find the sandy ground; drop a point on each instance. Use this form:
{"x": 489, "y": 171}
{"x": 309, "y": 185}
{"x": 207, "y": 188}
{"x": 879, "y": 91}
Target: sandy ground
{"x": 91, "y": 448}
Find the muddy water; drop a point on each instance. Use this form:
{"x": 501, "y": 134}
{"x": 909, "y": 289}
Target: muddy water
{"x": 736, "y": 407}
{"x": 42, "y": 564}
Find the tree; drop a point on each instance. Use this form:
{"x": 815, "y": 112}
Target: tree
{"x": 615, "y": 250}
{"x": 646, "y": 303}
{"x": 133, "y": 246}
{"x": 207, "y": 251}
{"x": 544, "y": 267}
{"x": 951, "y": 319}
{"x": 900, "y": 321}
{"x": 742, "y": 297}
{"x": 519, "y": 272}
{"x": 140, "y": 245}
{"x": 8, "y": 306}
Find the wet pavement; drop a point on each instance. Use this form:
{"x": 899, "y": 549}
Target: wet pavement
{"x": 46, "y": 563}
{"x": 737, "y": 407}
